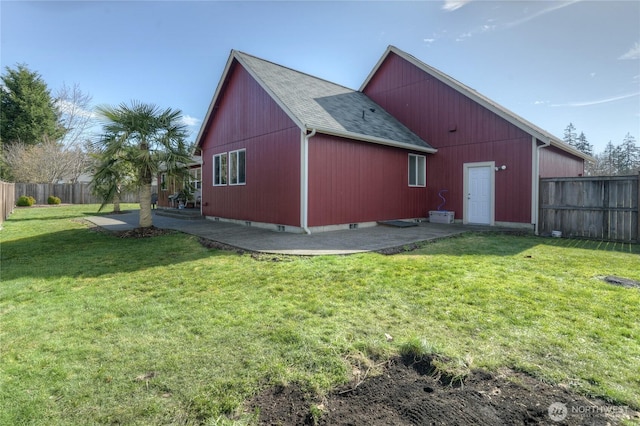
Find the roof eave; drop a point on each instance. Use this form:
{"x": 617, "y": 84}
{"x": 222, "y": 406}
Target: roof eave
{"x": 374, "y": 70}
{"x": 214, "y": 100}
{"x": 571, "y": 150}
{"x": 371, "y": 139}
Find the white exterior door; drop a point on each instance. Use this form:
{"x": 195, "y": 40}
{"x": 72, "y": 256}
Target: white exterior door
{"x": 479, "y": 193}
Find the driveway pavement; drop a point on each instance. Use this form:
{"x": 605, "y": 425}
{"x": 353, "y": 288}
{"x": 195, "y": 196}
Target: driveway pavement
{"x": 266, "y": 241}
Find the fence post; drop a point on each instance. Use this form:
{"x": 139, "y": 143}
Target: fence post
{"x": 606, "y": 218}
{"x": 7, "y": 200}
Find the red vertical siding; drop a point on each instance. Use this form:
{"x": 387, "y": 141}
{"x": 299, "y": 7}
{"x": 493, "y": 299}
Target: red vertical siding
{"x": 463, "y": 131}
{"x": 557, "y": 163}
{"x": 246, "y": 117}
{"x": 352, "y": 182}
{"x": 512, "y": 203}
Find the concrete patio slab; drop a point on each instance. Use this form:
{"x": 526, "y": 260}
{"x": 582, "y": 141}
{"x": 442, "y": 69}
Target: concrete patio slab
{"x": 267, "y": 241}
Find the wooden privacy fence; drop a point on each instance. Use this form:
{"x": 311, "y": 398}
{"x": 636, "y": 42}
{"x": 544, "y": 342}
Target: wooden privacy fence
{"x": 596, "y": 207}
{"x": 7, "y": 199}
{"x": 71, "y": 193}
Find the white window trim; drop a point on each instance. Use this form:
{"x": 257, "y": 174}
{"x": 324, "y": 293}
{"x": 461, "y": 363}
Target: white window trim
{"x": 229, "y": 166}
{"x": 424, "y": 174}
{"x": 195, "y": 177}
{"x": 222, "y": 154}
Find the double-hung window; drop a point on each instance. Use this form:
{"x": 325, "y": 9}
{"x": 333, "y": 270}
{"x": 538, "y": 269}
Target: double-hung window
{"x": 220, "y": 169}
{"x": 237, "y": 174}
{"x": 417, "y": 170}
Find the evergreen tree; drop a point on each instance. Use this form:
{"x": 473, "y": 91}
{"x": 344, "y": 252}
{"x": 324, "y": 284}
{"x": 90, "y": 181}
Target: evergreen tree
{"x": 570, "y": 136}
{"x": 609, "y": 162}
{"x": 628, "y": 156}
{"x": 28, "y": 114}
{"x": 583, "y": 145}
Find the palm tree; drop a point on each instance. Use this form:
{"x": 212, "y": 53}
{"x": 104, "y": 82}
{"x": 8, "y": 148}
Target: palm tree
{"x": 110, "y": 178}
{"x": 137, "y": 141}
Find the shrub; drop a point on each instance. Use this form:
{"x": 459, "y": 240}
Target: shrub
{"x": 53, "y": 200}
{"x": 25, "y": 201}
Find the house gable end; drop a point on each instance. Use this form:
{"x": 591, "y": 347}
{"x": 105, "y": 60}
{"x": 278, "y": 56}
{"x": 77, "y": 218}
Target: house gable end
{"x": 241, "y": 95}
{"x": 244, "y": 111}
{"x": 472, "y": 95}
{"x": 434, "y": 110}
{"x": 244, "y": 118}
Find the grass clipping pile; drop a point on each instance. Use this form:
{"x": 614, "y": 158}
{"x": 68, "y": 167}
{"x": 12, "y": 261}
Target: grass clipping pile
{"x": 410, "y": 392}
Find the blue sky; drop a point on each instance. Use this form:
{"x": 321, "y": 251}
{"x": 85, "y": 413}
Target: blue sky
{"x": 552, "y": 62}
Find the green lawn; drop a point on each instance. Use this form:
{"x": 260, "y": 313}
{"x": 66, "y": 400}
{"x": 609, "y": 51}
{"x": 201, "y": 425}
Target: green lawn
{"x": 96, "y": 329}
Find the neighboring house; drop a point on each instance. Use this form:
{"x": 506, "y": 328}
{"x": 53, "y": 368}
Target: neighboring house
{"x": 290, "y": 151}
{"x": 170, "y": 188}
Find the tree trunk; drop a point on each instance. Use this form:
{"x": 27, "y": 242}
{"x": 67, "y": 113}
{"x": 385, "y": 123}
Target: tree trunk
{"x": 146, "y": 220}
{"x": 116, "y": 202}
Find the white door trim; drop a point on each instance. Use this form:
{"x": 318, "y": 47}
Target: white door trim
{"x": 465, "y": 192}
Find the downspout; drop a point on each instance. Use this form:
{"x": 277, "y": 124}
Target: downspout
{"x": 304, "y": 182}
{"x": 536, "y": 181}
{"x": 201, "y": 187}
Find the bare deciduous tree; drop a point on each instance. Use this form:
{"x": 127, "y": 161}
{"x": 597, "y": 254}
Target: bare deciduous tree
{"x": 47, "y": 162}
{"x": 76, "y": 115}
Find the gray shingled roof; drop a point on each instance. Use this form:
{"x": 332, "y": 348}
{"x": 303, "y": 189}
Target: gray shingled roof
{"x": 317, "y": 103}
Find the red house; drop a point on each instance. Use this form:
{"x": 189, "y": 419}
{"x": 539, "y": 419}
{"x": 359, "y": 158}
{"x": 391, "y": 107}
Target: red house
{"x": 293, "y": 152}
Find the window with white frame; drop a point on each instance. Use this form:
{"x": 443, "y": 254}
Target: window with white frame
{"x": 237, "y": 167}
{"x": 417, "y": 170}
{"x": 195, "y": 178}
{"x": 220, "y": 169}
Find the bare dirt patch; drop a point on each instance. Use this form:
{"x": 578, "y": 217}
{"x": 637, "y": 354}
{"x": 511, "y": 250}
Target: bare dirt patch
{"x": 408, "y": 393}
{"x": 622, "y": 282}
{"x": 215, "y": 245}
{"x": 148, "y": 232}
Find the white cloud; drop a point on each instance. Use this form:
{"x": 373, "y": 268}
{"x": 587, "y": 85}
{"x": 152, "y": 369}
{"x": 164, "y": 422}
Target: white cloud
{"x": 541, "y": 12}
{"x": 429, "y": 40}
{"x": 187, "y": 120}
{"x": 451, "y": 5}
{"x": 489, "y": 26}
{"x": 464, "y": 36}
{"x": 67, "y": 107}
{"x": 633, "y": 53}
{"x": 598, "y": 101}
{"x": 541, "y": 102}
